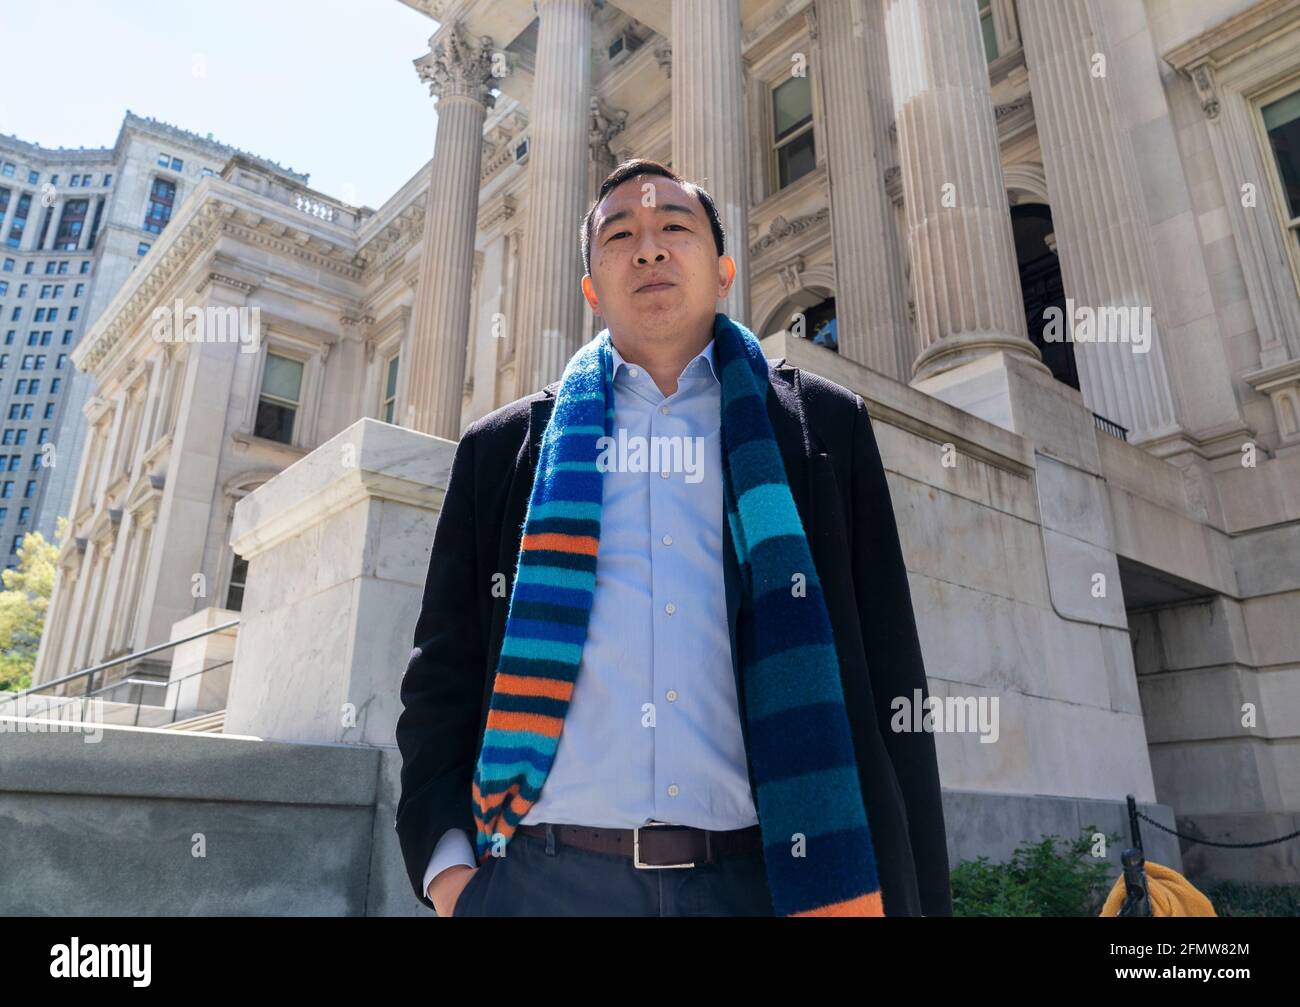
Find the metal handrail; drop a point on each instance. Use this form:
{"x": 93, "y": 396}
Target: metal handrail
{"x": 155, "y": 683}
{"x": 120, "y": 660}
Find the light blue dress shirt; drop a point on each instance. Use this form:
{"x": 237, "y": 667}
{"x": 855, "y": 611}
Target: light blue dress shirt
{"x": 653, "y": 728}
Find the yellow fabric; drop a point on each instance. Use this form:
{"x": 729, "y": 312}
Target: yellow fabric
{"x": 1171, "y": 894}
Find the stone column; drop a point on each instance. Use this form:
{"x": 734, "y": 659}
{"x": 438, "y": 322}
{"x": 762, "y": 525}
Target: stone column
{"x": 1095, "y": 194}
{"x": 710, "y": 139}
{"x": 964, "y": 275}
{"x": 459, "y": 74}
{"x": 870, "y": 289}
{"x": 606, "y": 123}
{"x": 550, "y": 323}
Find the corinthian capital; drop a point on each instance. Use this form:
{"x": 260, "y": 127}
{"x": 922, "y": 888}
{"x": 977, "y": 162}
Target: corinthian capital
{"x": 456, "y": 65}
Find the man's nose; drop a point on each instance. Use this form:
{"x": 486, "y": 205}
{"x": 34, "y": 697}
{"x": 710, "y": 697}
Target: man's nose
{"x": 650, "y": 252}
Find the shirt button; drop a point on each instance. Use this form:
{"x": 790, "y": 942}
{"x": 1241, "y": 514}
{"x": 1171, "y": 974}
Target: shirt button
{"x": 670, "y": 608}
{"x": 668, "y": 540}
{"x": 664, "y": 474}
{"x": 664, "y": 410}
{"x": 672, "y": 695}
{"x": 672, "y": 790}
{"x": 633, "y": 371}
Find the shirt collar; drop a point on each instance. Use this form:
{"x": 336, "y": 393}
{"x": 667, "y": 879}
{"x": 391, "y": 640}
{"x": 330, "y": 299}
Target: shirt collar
{"x": 706, "y": 353}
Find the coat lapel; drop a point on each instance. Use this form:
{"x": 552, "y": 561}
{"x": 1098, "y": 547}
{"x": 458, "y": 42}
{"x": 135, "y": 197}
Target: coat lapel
{"x": 785, "y": 410}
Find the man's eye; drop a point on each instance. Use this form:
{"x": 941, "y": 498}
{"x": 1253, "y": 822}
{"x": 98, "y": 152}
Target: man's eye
{"x": 618, "y": 234}
{"x": 677, "y": 225}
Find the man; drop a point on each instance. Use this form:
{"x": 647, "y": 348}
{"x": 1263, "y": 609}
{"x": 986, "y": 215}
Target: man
{"x": 656, "y": 678}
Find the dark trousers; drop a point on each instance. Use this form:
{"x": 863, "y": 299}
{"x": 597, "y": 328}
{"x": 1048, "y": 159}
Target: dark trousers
{"x": 541, "y": 877}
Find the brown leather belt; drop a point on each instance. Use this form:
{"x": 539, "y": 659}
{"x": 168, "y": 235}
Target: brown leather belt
{"x": 656, "y": 844}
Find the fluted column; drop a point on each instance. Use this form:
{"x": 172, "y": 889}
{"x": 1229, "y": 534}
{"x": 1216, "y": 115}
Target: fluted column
{"x": 870, "y": 288}
{"x": 710, "y": 141}
{"x": 551, "y": 309}
{"x": 1095, "y": 212}
{"x": 459, "y": 74}
{"x": 964, "y": 274}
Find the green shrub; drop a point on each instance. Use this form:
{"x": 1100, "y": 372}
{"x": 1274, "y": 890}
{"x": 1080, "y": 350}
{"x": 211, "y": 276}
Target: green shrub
{"x": 1236, "y": 898}
{"x": 1041, "y": 879}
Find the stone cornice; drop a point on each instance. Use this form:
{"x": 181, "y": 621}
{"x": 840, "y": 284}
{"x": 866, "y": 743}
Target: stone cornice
{"x": 1200, "y": 58}
{"x": 1238, "y": 34}
{"x": 220, "y": 209}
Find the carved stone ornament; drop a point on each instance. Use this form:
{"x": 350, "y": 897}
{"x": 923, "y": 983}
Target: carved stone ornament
{"x": 455, "y": 65}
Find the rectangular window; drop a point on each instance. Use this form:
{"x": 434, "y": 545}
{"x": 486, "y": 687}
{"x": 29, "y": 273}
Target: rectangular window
{"x": 71, "y": 221}
{"x": 85, "y": 266}
{"x": 278, "y": 405}
{"x": 108, "y": 179}
{"x": 8, "y": 489}
{"x": 988, "y": 29}
{"x": 49, "y": 407}
{"x": 26, "y": 512}
{"x": 58, "y": 366}
{"x": 159, "y": 211}
{"x": 164, "y": 160}
{"x": 389, "y": 403}
{"x": 73, "y": 312}
{"x": 1282, "y": 126}
{"x": 75, "y": 181}
{"x": 19, "y": 220}
{"x": 238, "y": 577}
{"x": 40, "y": 315}
{"x": 792, "y": 130}
{"x": 67, "y": 337}
{"x": 142, "y": 248}
{"x": 30, "y": 489}
{"x": 7, "y": 170}
{"x": 50, "y": 267}
{"x": 33, "y": 177}
{"x": 8, "y": 266}
{"x": 177, "y": 164}
{"x": 54, "y": 385}
{"x": 63, "y": 267}
{"x": 4, "y": 288}
{"x": 78, "y": 290}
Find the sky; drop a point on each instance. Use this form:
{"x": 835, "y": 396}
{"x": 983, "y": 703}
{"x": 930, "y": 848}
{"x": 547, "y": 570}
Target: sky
{"x": 325, "y": 87}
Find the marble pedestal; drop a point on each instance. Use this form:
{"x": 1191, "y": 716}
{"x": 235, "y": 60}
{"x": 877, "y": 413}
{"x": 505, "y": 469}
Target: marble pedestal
{"x": 338, "y": 550}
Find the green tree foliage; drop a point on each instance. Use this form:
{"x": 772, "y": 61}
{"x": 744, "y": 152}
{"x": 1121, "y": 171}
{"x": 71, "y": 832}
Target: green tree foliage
{"x": 23, "y": 604}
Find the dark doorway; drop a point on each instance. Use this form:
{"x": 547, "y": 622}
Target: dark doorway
{"x": 1041, "y": 285}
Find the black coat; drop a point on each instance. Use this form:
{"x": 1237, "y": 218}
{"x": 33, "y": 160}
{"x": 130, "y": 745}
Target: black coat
{"x": 838, "y": 484}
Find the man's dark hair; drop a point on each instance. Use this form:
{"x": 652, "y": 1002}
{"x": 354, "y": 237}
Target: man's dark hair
{"x": 644, "y": 166}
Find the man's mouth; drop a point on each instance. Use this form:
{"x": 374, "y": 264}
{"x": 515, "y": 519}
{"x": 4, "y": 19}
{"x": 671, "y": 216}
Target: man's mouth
{"x": 650, "y": 287}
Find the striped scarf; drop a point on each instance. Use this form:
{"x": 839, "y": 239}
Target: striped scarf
{"x": 816, "y": 841}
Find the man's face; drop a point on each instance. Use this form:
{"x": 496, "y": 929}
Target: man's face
{"x": 655, "y": 271}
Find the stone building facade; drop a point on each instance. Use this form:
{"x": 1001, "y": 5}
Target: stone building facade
{"x": 1102, "y": 533}
{"x": 74, "y": 224}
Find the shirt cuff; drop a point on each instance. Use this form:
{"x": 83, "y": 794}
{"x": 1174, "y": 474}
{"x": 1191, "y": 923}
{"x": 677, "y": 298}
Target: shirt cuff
{"x": 453, "y": 848}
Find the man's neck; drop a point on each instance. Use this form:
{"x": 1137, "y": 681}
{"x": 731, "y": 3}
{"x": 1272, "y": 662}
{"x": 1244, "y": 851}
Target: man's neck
{"x": 663, "y": 360}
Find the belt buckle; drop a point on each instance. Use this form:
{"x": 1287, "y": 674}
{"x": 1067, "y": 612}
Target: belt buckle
{"x": 636, "y": 847}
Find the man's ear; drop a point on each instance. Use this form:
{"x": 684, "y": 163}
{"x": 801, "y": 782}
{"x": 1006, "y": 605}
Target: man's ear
{"x": 726, "y": 274}
{"x": 589, "y": 292}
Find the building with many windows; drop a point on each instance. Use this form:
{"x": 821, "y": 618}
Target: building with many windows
{"x": 74, "y": 224}
{"x": 1054, "y": 246}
